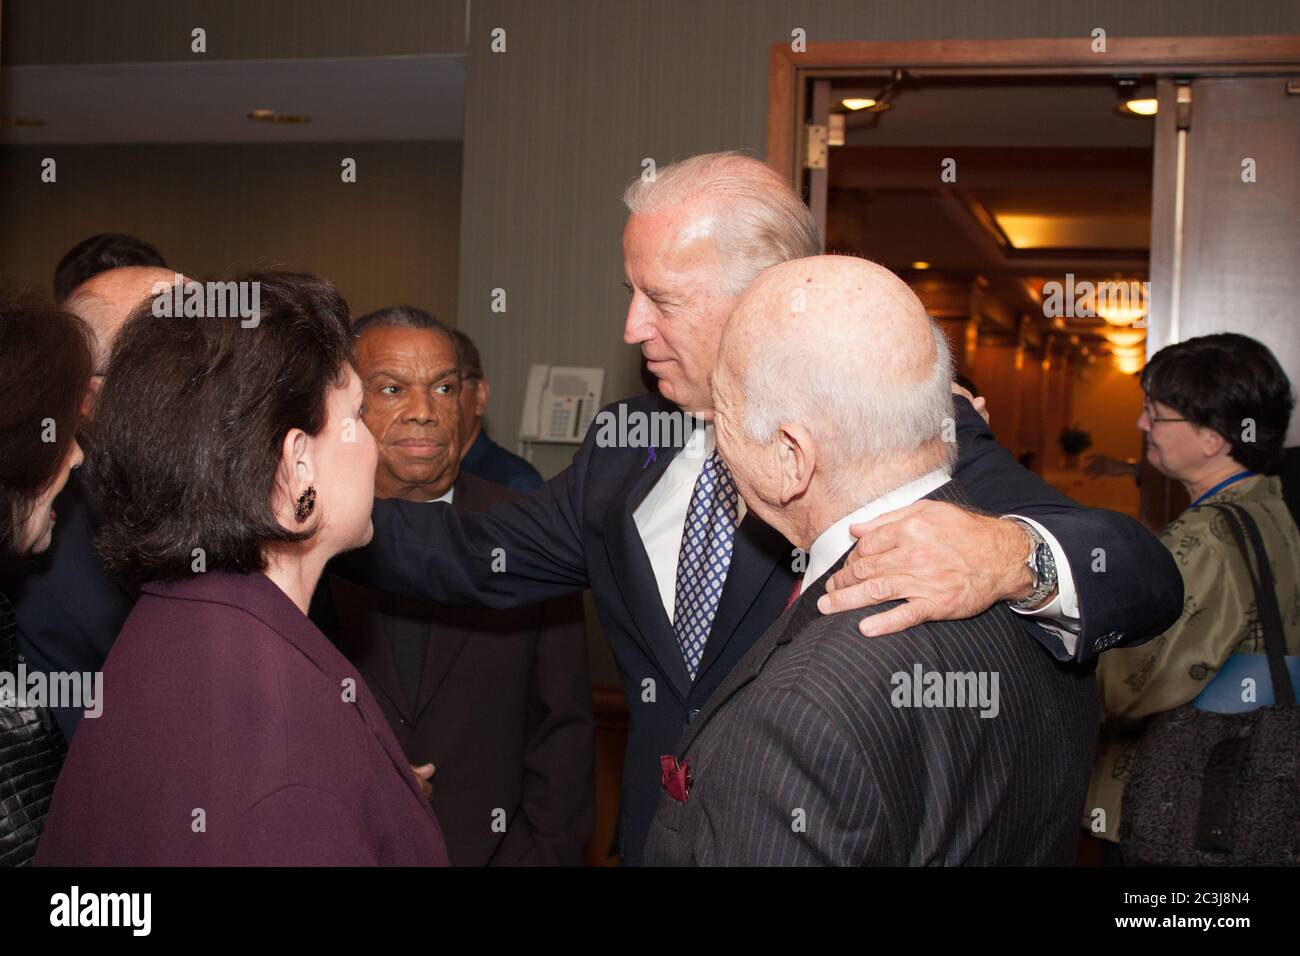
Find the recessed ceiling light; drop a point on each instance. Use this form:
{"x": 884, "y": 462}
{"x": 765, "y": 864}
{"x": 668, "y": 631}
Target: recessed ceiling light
{"x": 1144, "y": 106}
{"x": 920, "y": 264}
{"x": 271, "y": 116}
{"x": 857, "y": 103}
{"x": 21, "y": 121}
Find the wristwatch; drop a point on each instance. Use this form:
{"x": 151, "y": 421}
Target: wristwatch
{"x": 1042, "y": 569}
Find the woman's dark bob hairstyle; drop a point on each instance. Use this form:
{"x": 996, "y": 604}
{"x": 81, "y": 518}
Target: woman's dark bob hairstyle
{"x": 190, "y": 425}
{"x": 1231, "y": 384}
{"x": 46, "y": 358}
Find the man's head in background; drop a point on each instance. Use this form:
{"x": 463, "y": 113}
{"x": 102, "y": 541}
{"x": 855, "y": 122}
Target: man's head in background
{"x": 474, "y": 391}
{"x": 696, "y": 236}
{"x": 410, "y": 370}
{"x": 808, "y": 437}
{"x": 105, "y": 301}
{"x": 90, "y": 257}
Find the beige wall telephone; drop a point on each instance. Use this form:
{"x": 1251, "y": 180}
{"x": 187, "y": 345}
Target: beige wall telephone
{"x": 560, "y": 403}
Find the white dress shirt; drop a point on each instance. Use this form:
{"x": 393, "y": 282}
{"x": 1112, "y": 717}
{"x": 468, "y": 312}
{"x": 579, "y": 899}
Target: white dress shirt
{"x": 1060, "y": 615}
{"x": 835, "y": 540}
{"x": 661, "y": 516}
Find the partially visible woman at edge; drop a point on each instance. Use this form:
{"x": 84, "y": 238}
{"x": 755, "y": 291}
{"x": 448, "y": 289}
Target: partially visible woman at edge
{"x": 45, "y": 366}
{"x": 232, "y": 463}
{"x": 1215, "y": 414}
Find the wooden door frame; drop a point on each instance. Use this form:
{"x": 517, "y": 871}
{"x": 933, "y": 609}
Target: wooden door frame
{"x": 1159, "y": 56}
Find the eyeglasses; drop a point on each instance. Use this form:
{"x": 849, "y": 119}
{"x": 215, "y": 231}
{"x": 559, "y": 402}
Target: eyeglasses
{"x": 1155, "y": 419}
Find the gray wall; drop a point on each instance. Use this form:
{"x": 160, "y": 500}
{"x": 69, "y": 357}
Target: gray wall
{"x": 144, "y": 31}
{"x": 392, "y": 236}
{"x": 558, "y": 124}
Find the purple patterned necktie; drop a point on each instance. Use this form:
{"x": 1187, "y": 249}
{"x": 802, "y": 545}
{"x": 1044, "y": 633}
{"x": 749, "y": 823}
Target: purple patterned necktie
{"x": 705, "y": 555}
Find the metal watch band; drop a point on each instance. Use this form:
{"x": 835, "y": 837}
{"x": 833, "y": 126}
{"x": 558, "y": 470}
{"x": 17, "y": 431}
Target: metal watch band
{"x": 1042, "y": 569}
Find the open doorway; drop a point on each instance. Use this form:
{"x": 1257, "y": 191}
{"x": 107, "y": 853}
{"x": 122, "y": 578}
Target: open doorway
{"x": 999, "y": 199}
{"x": 1006, "y": 184}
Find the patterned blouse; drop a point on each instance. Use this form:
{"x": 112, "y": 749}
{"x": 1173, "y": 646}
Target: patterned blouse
{"x": 1219, "y": 618}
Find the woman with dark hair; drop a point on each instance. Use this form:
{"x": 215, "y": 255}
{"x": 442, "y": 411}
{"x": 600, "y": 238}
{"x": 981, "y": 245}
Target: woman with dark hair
{"x": 1215, "y": 416}
{"x": 45, "y": 366}
{"x": 231, "y": 463}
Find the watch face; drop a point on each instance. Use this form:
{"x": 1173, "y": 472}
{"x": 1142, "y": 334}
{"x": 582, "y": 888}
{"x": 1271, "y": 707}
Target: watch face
{"x": 1046, "y": 565}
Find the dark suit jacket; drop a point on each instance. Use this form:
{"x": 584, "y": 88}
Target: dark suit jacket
{"x": 577, "y": 531}
{"x": 804, "y": 755}
{"x": 221, "y": 696}
{"x": 503, "y": 710}
{"x": 68, "y": 610}
{"x": 487, "y": 459}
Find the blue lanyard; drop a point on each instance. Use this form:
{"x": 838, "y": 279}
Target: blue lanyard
{"x": 1223, "y": 484}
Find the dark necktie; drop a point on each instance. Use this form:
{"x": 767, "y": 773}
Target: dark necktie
{"x": 704, "y": 557}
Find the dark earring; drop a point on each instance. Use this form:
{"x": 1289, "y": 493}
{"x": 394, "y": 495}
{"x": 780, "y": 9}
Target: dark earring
{"x": 306, "y": 503}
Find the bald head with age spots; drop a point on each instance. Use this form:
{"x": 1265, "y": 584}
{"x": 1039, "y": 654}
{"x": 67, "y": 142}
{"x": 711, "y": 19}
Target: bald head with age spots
{"x": 104, "y": 301}
{"x": 832, "y": 387}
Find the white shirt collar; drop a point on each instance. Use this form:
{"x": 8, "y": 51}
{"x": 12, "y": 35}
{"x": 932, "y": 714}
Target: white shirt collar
{"x": 445, "y": 496}
{"x": 835, "y": 540}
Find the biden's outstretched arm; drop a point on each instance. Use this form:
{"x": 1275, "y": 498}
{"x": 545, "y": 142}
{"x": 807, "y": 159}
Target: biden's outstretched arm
{"x": 1123, "y": 586}
{"x": 517, "y": 552}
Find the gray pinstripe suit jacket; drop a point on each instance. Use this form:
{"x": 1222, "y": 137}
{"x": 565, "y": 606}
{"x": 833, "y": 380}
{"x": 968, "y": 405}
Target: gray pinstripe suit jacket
{"x": 803, "y": 756}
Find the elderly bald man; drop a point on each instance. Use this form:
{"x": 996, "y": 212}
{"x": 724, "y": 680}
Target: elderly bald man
{"x": 69, "y": 611}
{"x": 684, "y": 577}
{"x": 105, "y": 300}
{"x": 953, "y": 742}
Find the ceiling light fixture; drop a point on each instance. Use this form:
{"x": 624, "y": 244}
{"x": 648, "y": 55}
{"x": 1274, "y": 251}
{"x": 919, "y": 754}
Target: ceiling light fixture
{"x": 920, "y": 264}
{"x": 881, "y": 101}
{"x": 1124, "y": 337}
{"x": 1140, "y": 106}
{"x": 1128, "y": 364}
{"x": 271, "y": 116}
{"x": 1121, "y": 314}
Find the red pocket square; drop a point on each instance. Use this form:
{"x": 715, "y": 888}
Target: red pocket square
{"x": 676, "y": 777}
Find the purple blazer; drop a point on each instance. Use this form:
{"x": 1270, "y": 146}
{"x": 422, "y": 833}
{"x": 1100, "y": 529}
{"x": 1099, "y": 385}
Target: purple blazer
{"x": 229, "y": 737}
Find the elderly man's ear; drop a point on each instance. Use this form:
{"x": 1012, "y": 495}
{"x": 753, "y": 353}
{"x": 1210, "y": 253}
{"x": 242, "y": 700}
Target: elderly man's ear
{"x": 796, "y": 459}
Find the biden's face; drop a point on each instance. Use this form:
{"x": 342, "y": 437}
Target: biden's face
{"x": 679, "y": 300}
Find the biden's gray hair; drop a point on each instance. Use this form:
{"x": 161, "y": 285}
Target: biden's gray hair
{"x": 854, "y": 417}
{"x": 761, "y": 219}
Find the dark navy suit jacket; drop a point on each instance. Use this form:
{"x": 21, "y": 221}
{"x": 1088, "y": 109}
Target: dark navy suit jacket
{"x": 502, "y": 709}
{"x": 577, "y": 531}
{"x": 68, "y": 609}
{"x": 489, "y": 460}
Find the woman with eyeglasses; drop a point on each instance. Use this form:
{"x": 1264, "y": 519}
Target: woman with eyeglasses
{"x": 1215, "y": 414}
